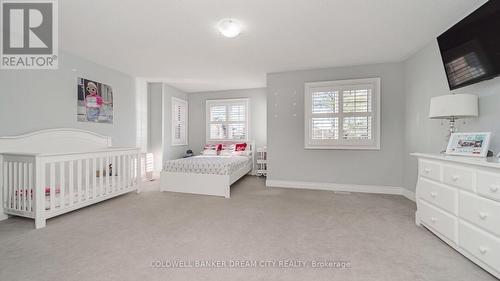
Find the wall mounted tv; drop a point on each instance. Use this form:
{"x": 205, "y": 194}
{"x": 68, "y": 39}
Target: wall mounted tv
{"x": 471, "y": 49}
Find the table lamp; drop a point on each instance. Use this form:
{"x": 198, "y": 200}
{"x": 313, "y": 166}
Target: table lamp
{"x": 453, "y": 107}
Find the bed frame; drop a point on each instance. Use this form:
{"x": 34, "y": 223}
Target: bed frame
{"x": 51, "y": 172}
{"x": 205, "y": 184}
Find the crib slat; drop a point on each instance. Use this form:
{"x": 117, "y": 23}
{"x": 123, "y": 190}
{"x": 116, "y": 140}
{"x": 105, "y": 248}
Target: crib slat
{"x": 30, "y": 187}
{"x": 71, "y": 187}
{"x": 113, "y": 173}
{"x": 26, "y": 188}
{"x": 79, "y": 180}
{"x": 5, "y": 189}
{"x": 20, "y": 185}
{"x": 108, "y": 174}
{"x": 122, "y": 171}
{"x": 52, "y": 186}
{"x": 124, "y": 178}
{"x": 62, "y": 183}
{"x": 17, "y": 186}
{"x": 11, "y": 185}
{"x": 17, "y": 198}
{"x": 129, "y": 158}
{"x": 132, "y": 172}
{"x": 101, "y": 173}
{"x": 119, "y": 172}
{"x": 87, "y": 179}
{"x": 136, "y": 168}
{"x": 94, "y": 177}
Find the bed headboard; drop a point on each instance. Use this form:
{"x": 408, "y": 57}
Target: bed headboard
{"x": 53, "y": 141}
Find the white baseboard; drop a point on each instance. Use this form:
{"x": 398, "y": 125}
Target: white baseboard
{"x": 408, "y": 194}
{"x": 343, "y": 187}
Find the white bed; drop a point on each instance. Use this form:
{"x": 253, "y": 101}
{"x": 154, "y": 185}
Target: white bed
{"x": 207, "y": 175}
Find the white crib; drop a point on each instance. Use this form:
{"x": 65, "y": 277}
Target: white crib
{"x": 51, "y": 172}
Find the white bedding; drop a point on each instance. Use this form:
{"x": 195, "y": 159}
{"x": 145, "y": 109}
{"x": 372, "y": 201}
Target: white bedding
{"x": 215, "y": 165}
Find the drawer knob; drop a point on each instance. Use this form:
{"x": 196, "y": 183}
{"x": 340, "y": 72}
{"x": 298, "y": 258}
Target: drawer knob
{"x": 455, "y": 178}
{"x": 483, "y": 250}
{"x": 427, "y": 170}
{"x": 434, "y": 194}
{"x": 433, "y": 219}
{"x": 493, "y": 188}
{"x": 483, "y": 215}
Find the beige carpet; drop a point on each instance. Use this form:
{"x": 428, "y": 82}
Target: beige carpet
{"x": 122, "y": 238}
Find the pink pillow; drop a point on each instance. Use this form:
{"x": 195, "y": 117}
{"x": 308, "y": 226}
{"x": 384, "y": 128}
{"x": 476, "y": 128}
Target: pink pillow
{"x": 241, "y": 146}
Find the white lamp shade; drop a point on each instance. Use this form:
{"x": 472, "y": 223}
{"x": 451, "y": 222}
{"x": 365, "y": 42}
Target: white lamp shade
{"x": 454, "y": 106}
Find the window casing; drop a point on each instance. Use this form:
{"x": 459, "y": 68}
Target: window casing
{"x": 342, "y": 114}
{"x": 179, "y": 121}
{"x": 227, "y": 120}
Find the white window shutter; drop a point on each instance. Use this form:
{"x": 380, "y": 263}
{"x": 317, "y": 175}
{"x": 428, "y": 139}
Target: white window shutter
{"x": 343, "y": 114}
{"x": 179, "y": 121}
{"x": 227, "y": 120}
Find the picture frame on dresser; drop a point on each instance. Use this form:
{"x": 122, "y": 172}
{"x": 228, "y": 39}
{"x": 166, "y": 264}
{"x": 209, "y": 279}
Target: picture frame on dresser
{"x": 469, "y": 144}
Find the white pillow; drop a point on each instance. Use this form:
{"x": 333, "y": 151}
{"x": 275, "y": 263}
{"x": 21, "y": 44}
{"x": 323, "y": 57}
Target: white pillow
{"x": 209, "y": 152}
{"x": 226, "y": 153}
{"x": 243, "y": 153}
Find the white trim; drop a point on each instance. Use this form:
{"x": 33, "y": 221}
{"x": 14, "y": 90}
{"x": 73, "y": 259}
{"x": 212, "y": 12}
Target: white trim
{"x": 377, "y": 189}
{"x": 186, "y": 122}
{"x": 410, "y": 195}
{"x": 373, "y": 144}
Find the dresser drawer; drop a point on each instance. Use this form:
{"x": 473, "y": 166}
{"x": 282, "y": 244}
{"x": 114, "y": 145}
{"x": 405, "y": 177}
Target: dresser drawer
{"x": 438, "y": 220}
{"x": 488, "y": 185}
{"x": 459, "y": 176}
{"x": 480, "y": 244}
{"x": 480, "y": 211}
{"x": 430, "y": 169}
{"x": 438, "y": 194}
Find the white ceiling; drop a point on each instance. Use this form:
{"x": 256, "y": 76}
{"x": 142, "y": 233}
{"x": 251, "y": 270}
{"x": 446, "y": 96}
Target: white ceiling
{"x": 176, "y": 41}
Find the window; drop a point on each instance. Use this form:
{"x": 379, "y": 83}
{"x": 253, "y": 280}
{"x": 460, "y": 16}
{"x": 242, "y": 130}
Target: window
{"x": 227, "y": 119}
{"x": 179, "y": 121}
{"x": 343, "y": 114}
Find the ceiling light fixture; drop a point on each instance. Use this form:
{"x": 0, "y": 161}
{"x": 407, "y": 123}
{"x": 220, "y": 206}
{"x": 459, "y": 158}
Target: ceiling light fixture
{"x": 229, "y": 27}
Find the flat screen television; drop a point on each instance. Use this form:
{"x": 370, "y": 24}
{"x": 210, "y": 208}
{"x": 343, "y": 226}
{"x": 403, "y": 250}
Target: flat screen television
{"x": 471, "y": 49}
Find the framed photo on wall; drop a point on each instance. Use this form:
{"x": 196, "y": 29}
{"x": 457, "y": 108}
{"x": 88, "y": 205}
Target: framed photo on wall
{"x": 95, "y": 102}
{"x": 469, "y": 144}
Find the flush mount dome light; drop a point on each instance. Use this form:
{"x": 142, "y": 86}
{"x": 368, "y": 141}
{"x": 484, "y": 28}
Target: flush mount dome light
{"x": 229, "y": 27}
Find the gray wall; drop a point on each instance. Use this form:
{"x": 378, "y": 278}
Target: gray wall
{"x": 39, "y": 99}
{"x": 160, "y": 123}
{"x": 171, "y": 151}
{"x": 289, "y": 161}
{"x": 425, "y": 78}
{"x": 155, "y": 124}
{"x": 197, "y": 117}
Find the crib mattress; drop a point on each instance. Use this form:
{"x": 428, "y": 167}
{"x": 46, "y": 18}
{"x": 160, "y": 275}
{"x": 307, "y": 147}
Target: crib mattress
{"x": 19, "y": 198}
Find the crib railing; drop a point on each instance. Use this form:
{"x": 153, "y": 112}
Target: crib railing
{"x": 18, "y": 177}
{"x": 58, "y": 183}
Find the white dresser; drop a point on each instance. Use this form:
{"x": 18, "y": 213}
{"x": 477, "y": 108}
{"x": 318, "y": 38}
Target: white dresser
{"x": 458, "y": 199}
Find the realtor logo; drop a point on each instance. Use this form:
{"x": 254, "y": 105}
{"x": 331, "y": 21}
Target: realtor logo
{"x": 29, "y": 34}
